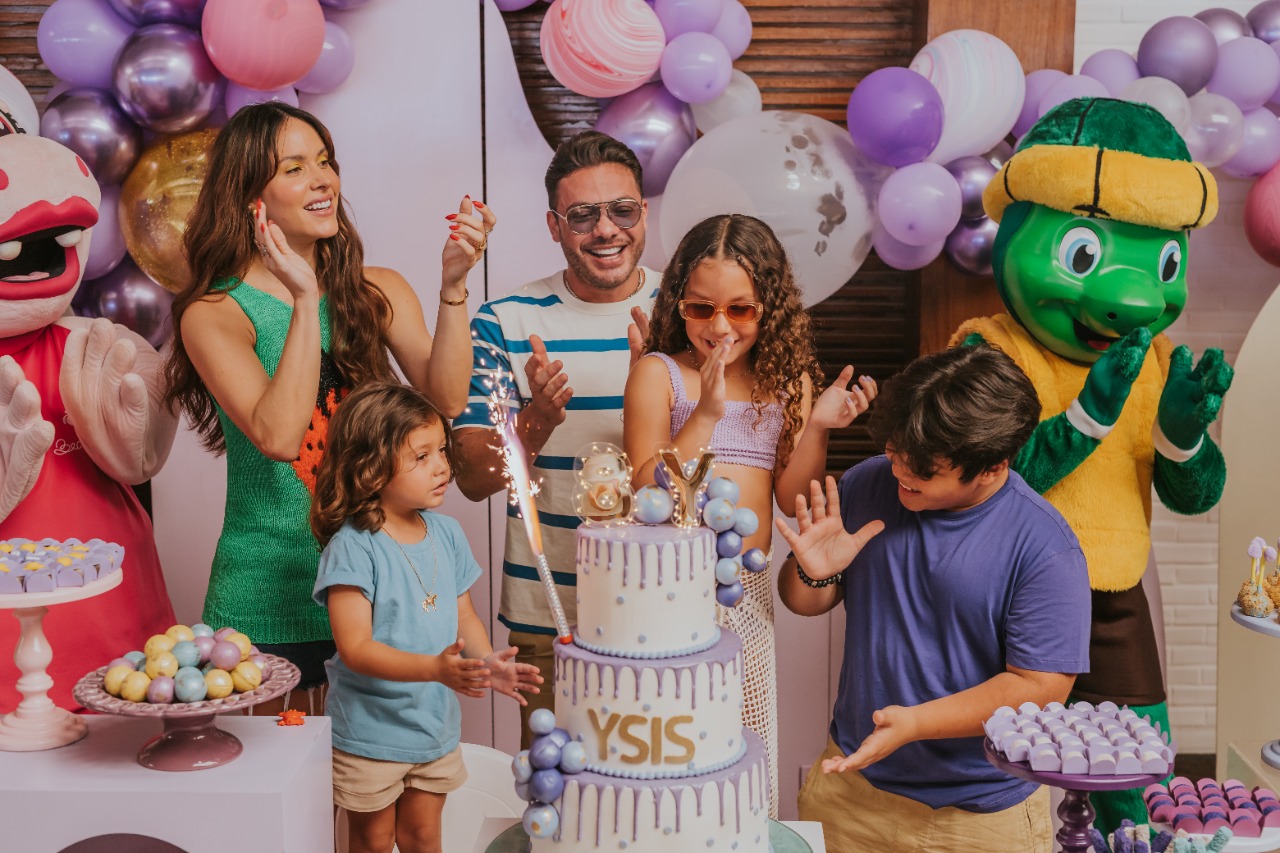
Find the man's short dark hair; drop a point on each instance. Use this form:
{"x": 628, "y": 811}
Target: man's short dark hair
{"x": 970, "y": 407}
{"x": 586, "y": 149}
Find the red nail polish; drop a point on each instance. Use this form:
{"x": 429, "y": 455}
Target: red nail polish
{"x": 454, "y": 237}
{"x": 452, "y": 216}
{"x": 468, "y": 195}
{"x": 478, "y": 204}
{"x": 454, "y": 227}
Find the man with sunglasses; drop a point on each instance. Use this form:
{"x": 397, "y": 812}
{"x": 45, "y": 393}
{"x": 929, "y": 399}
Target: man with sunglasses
{"x": 568, "y": 341}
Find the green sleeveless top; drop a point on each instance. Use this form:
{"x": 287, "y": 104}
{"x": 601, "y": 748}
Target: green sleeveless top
{"x": 264, "y": 567}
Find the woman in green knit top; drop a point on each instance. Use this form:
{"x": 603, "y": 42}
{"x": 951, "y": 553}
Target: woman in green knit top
{"x": 281, "y": 319}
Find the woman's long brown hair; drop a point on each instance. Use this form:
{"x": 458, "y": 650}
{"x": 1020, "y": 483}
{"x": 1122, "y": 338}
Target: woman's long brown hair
{"x": 784, "y": 352}
{"x": 219, "y": 244}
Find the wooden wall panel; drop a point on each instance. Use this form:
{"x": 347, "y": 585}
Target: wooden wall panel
{"x": 18, "y": 22}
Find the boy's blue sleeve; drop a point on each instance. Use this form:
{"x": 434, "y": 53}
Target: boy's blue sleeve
{"x": 346, "y": 561}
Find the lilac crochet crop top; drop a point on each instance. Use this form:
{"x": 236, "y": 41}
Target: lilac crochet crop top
{"x": 737, "y": 438}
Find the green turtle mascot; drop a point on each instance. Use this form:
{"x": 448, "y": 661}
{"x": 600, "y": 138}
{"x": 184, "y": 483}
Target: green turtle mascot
{"x": 1091, "y": 262}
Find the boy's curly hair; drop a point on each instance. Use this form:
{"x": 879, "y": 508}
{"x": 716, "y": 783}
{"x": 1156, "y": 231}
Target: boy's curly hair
{"x": 784, "y": 351}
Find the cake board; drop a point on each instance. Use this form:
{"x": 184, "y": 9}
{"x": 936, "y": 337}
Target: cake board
{"x": 782, "y": 839}
{"x": 1269, "y": 625}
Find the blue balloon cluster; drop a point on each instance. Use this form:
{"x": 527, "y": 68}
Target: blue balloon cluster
{"x": 539, "y": 772}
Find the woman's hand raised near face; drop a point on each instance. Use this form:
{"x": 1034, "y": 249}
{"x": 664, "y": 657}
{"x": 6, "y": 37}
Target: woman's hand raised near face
{"x": 281, "y": 261}
{"x": 468, "y": 238}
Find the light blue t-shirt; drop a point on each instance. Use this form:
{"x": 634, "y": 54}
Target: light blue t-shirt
{"x": 408, "y": 721}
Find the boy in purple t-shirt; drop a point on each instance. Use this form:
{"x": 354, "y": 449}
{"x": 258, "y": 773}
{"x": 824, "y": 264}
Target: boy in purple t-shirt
{"x": 964, "y": 590}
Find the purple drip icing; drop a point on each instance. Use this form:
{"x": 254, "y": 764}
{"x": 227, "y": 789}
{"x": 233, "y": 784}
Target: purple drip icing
{"x": 635, "y": 814}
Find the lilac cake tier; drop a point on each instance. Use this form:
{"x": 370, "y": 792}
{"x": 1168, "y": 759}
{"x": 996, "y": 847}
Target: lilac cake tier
{"x": 646, "y": 592}
{"x": 651, "y": 719}
{"x": 727, "y": 810}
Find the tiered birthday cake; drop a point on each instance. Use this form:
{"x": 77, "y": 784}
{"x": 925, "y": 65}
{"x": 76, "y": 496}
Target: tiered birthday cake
{"x": 651, "y": 689}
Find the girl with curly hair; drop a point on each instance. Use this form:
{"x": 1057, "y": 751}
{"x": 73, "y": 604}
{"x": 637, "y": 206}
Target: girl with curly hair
{"x": 395, "y": 578}
{"x": 730, "y": 367}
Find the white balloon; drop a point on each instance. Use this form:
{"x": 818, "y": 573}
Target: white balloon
{"x": 801, "y": 174}
{"x": 1215, "y": 130}
{"x": 1164, "y": 95}
{"x": 741, "y": 97}
{"x": 17, "y": 102}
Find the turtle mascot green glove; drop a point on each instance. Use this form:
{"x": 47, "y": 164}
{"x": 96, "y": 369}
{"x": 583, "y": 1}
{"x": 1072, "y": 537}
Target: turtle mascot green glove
{"x": 1094, "y": 209}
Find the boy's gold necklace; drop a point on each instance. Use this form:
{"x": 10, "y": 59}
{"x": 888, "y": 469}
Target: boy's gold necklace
{"x": 428, "y": 603}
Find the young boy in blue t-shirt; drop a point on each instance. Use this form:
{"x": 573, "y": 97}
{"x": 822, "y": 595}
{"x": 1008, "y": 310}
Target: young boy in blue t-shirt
{"x": 964, "y": 590}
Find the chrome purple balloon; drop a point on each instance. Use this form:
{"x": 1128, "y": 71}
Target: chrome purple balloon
{"x": 92, "y": 124}
{"x": 969, "y": 246}
{"x": 126, "y": 296}
{"x": 79, "y": 40}
{"x": 1180, "y": 49}
{"x": 164, "y": 79}
{"x": 1225, "y": 24}
{"x": 143, "y": 12}
{"x": 656, "y": 125}
{"x": 1265, "y": 20}
{"x": 972, "y": 174}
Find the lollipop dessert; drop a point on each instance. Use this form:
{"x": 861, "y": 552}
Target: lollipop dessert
{"x": 1253, "y": 600}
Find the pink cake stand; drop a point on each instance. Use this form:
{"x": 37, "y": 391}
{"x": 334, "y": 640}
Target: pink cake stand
{"x": 1075, "y": 812}
{"x": 191, "y": 740}
{"x": 37, "y": 723}
{"x": 1270, "y": 626}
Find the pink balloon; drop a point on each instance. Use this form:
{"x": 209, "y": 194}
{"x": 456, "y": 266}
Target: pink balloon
{"x": 601, "y": 48}
{"x": 263, "y": 44}
{"x": 1262, "y": 217}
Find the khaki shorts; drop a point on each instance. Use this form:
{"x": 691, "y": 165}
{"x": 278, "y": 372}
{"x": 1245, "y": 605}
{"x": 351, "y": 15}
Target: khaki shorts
{"x": 369, "y": 785}
{"x": 857, "y": 816}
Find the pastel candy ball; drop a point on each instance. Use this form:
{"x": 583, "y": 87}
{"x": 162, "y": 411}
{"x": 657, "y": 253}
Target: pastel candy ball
{"x": 755, "y": 560}
{"x": 520, "y": 766}
{"x": 700, "y": 500}
{"x": 201, "y": 630}
{"x": 121, "y": 662}
{"x": 653, "y": 505}
{"x": 542, "y": 721}
{"x": 180, "y": 633}
{"x": 218, "y": 683}
{"x": 745, "y": 521}
{"x": 727, "y": 570}
{"x": 540, "y": 821}
{"x": 187, "y": 653}
{"x": 134, "y": 688}
{"x": 718, "y": 514}
{"x": 544, "y": 753}
{"x": 662, "y": 476}
{"x": 690, "y": 466}
{"x": 222, "y": 632}
{"x": 729, "y": 594}
{"x": 262, "y": 662}
{"x": 723, "y": 487}
{"x": 189, "y": 686}
{"x": 204, "y": 645}
{"x": 160, "y": 690}
{"x": 158, "y": 643}
{"x": 241, "y": 642}
{"x": 560, "y": 736}
{"x": 135, "y": 658}
{"x": 546, "y": 785}
{"x": 114, "y": 679}
{"x": 728, "y": 544}
{"x": 573, "y": 758}
{"x": 522, "y": 790}
{"x": 225, "y": 655}
{"x": 162, "y": 664}
{"x": 245, "y": 677}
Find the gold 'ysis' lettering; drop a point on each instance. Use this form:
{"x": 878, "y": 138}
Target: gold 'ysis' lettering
{"x": 665, "y": 744}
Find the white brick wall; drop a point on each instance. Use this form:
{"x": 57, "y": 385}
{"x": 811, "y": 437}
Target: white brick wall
{"x": 1229, "y": 284}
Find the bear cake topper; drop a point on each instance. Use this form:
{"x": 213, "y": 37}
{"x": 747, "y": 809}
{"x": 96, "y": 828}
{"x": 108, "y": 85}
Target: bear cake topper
{"x": 603, "y": 495}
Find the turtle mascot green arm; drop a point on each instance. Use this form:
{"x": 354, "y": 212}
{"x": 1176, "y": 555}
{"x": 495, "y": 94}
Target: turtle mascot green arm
{"x": 1090, "y": 260}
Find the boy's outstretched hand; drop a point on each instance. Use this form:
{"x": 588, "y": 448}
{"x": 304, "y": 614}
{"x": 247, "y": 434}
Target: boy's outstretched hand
{"x": 509, "y": 678}
{"x": 895, "y": 727}
{"x": 822, "y": 546}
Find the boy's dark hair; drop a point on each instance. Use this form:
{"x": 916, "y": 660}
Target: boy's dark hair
{"x": 970, "y": 407}
{"x": 586, "y": 149}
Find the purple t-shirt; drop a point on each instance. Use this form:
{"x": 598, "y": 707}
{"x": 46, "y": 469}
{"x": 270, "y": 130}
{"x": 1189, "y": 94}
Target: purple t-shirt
{"x": 940, "y": 602}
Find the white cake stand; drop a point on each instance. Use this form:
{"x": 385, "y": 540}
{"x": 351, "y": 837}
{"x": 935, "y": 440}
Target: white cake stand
{"x": 1271, "y": 627}
{"x": 37, "y": 723}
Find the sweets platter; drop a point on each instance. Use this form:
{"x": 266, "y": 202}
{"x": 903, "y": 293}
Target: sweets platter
{"x": 1270, "y": 626}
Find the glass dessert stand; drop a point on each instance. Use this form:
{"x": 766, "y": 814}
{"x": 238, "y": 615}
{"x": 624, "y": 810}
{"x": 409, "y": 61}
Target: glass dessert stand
{"x": 782, "y": 839}
{"x": 1271, "y": 627}
{"x": 1075, "y": 812}
{"x": 191, "y": 740}
{"x": 37, "y": 723}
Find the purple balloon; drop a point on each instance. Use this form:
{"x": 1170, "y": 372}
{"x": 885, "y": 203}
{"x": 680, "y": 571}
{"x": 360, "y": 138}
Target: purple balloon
{"x": 734, "y": 28}
{"x": 1180, "y": 49}
{"x": 687, "y": 16}
{"x": 895, "y": 116}
{"x": 126, "y": 296}
{"x": 164, "y": 79}
{"x": 1265, "y": 20}
{"x": 343, "y": 5}
{"x": 728, "y": 595}
{"x": 999, "y": 154}
{"x": 239, "y": 96}
{"x": 1070, "y": 88}
{"x": 1225, "y": 24}
{"x": 696, "y": 67}
{"x": 969, "y": 246}
{"x": 1247, "y": 73}
{"x": 919, "y": 204}
{"x": 900, "y": 255}
{"x": 331, "y": 70}
{"x": 91, "y": 123}
{"x": 972, "y": 174}
{"x": 1259, "y": 147}
{"x": 656, "y": 125}
{"x": 1038, "y": 82}
{"x": 1113, "y": 68}
{"x": 79, "y": 40}
{"x": 503, "y": 5}
{"x": 143, "y": 12}
{"x": 106, "y": 246}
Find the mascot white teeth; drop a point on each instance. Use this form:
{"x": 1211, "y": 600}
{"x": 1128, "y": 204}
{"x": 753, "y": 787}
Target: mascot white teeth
{"x": 80, "y": 415}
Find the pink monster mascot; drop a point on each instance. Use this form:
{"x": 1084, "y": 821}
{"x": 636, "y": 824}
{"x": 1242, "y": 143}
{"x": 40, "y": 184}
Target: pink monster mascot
{"x": 80, "y": 415}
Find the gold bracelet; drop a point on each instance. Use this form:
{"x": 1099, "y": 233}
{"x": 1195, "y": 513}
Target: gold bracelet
{"x": 457, "y": 302}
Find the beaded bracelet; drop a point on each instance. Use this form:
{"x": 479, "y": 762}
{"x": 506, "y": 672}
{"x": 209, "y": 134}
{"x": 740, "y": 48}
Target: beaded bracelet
{"x": 455, "y": 302}
{"x": 813, "y": 584}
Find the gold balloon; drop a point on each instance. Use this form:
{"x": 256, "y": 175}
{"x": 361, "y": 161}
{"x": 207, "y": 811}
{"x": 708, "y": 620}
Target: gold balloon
{"x": 155, "y": 200}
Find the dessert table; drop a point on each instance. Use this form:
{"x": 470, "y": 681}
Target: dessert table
{"x": 491, "y": 832}
{"x": 277, "y": 796}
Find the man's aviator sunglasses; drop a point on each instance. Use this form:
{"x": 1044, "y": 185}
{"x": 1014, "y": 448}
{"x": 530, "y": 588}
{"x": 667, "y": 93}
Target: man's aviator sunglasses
{"x": 734, "y": 312}
{"x": 582, "y": 218}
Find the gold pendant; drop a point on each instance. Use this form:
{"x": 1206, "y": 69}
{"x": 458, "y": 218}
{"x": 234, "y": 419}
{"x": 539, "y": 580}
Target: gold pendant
{"x": 429, "y": 603}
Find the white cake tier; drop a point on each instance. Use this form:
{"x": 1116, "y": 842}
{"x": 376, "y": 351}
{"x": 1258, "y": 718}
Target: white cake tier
{"x": 651, "y": 719}
{"x": 723, "y": 811}
{"x": 646, "y": 592}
